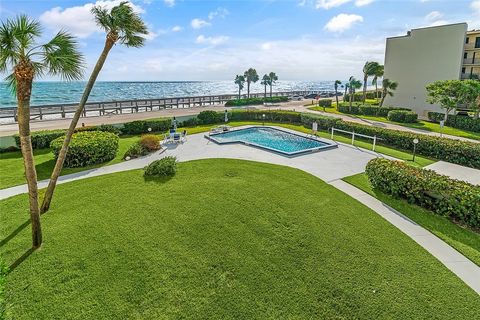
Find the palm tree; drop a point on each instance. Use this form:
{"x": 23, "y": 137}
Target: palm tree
{"x": 368, "y": 70}
{"x": 250, "y": 76}
{"x": 353, "y": 84}
{"x": 273, "y": 78}
{"x": 336, "y": 84}
{"x": 26, "y": 59}
{"x": 387, "y": 89}
{"x": 240, "y": 82}
{"x": 265, "y": 82}
{"x": 122, "y": 25}
{"x": 377, "y": 74}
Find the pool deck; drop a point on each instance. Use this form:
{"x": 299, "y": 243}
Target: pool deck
{"x": 329, "y": 165}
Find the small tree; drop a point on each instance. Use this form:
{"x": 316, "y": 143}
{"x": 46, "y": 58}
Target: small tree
{"x": 369, "y": 70}
{"x": 388, "y": 87}
{"x": 335, "y": 85}
{"x": 21, "y": 55}
{"x": 250, "y": 76}
{"x": 448, "y": 93}
{"x": 353, "y": 84}
{"x": 240, "y": 82}
{"x": 265, "y": 82}
{"x": 273, "y": 78}
{"x": 471, "y": 95}
{"x": 379, "y": 71}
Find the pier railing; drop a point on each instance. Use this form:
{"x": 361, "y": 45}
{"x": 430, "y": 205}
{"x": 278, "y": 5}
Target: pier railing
{"x": 131, "y": 106}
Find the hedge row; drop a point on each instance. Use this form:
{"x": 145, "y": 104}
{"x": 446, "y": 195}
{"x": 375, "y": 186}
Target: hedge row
{"x": 402, "y": 116}
{"x": 454, "y": 151}
{"x": 368, "y": 110}
{"x": 358, "y": 96}
{"x": 146, "y": 126}
{"x": 41, "y": 139}
{"x": 255, "y": 101}
{"x": 457, "y": 200}
{"x": 87, "y": 148}
{"x": 326, "y": 103}
{"x": 455, "y": 121}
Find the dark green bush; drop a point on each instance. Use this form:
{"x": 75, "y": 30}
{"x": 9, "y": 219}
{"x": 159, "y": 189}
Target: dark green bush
{"x": 135, "y": 150}
{"x": 359, "y": 96}
{"x": 164, "y": 167}
{"x": 9, "y": 149}
{"x": 402, "y": 116}
{"x": 326, "y": 103}
{"x": 192, "y": 122}
{"x": 367, "y": 109}
{"x": 324, "y": 122}
{"x": 345, "y": 108}
{"x": 87, "y": 148}
{"x": 142, "y": 126}
{"x": 270, "y": 116}
{"x": 455, "y": 121}
{"x": 209, "y": 117}
{"x": 255, "y": 101}
{"x": 458, "y": 200}
{"x": 41, "y": 139}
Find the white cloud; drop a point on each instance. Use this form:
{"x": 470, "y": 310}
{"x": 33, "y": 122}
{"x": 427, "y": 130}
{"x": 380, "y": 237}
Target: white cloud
{"x": 433, "y": 16}
{"x": 201, "y": 39}
{"x": 169, "y": 3}
{"x": 199, "y": 23}
{"x": 475, "y": 5}
{"x": 219, "y": 12}
{"x": 78, "y": 20}
{"x": 343, "y": 22}
{"x": 361, "y": 3}
{"x": 328, "y": 4}
{"x": 177, "y": 29}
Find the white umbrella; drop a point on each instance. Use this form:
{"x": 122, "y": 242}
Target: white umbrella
{"x": 314, "y": 127}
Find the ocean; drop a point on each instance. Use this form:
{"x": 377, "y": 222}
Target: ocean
{"x": 53, "y": 92}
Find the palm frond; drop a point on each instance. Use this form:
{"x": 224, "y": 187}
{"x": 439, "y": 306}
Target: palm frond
{"x": 61, "y": 57}
{"x": 11, "y": 83}
{"x": 25, "y": 31}
{"x": 102, "y": 18}
{"x": 9, "y": 47}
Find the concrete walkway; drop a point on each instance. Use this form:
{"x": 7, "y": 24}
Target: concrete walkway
{"x": 456, "y": 171}
{"x": 329, "y": 165}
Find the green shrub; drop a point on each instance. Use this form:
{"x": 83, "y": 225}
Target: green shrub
{"x": 143, "y": 126}
{"x": 41, "y": 139}
{"x": 209, "y": 117}
{"x": 9, "y": 149}
{"x": 359, "y": 96}
{"x": 102, "y": 127}
{"x": 87, "y": 148}
{"x": 345, "y": 108}
{"x": 150, "y": 142}
{"x": 326, "y": 103}
{"x": 192, "y": 122}
{"x": 367, "y": 109}
{"x": 270, "y": 116}
{"x": 458, "y": 200}
{"x": 455, "y": 121}
{"x": 3, "y": 281}
{"x": 135, "y": 150}
{"x": 402, "y": 116}
{"x": 164, "y": 167}
{"x": 255, "y": 101}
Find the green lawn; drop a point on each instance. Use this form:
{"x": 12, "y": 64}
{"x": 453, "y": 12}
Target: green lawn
{"x": 11, "y": 163}
{"x": 120, "y": 246}
{"x": 422, "y": 125}
{"x": 464, "y": 240}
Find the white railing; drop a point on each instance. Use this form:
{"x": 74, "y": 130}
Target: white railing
{"x": 374, "y": 138}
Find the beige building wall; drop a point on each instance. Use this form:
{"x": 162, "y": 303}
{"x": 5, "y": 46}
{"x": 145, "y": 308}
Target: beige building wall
{"x": 422, "y": 57}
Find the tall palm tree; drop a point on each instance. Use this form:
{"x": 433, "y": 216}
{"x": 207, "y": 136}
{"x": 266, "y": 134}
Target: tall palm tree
{"x": 240, "y": 82}
{"x": 273, "y": 78}
{"x": 21, "y": 55}
{"x": 265, "y": 82}
{"x": 368, "y": 70}
{"x": 123, "y": 26}
{"x": 379, "y": 71}
{"x": 353, "y": 84}
{"x": 335, "y": 85}
{"x": 250, "y": 76}
{"x": 388, "y": 87}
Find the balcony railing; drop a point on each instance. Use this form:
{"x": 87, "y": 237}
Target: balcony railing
{"x": 474, "y": 61}
{"x": 470, "y": 76}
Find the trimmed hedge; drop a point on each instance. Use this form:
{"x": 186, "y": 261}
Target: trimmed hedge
{"x": 358, "y": 96}
{"x": 455, "y": 121}
{"x": 326, "y": 103}
{"x": 270, "y": 116}
{"x": 368, "y": 110}
{"x": 87, "y": 148}
{"x": 165, "y": 167}
{"x": 402, "y": 116}
{"x": 41, "y": 139}
{"x": 209, "y": 117}
{"x": 142, "y": 126}
{"x": 255, "y": 101}
{"x": 457, "y": 200}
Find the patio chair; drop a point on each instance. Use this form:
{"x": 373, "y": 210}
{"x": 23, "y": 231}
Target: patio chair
{"x": 184, "y": 136}
{"x": 177, "y": 137}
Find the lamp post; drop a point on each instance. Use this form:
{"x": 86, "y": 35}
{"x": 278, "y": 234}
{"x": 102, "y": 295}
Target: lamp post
{"x": 415, "y": 141}
{"x": 263, "y": 118}
{"x": 226, "y": 116}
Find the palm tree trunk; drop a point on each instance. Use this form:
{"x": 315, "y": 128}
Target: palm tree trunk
{"x": 24, "y": 89}
{"x": 270, "y": 91}
{"x": 336, "y": 96}
{"x": 365, "y": 79}
{"x": 248, "y": 89}
{"x": 351, "y": 93}
{"x": 384, "y": 94}
{"x": 265, "y": 93}
{"x": 109, "y": 42}
{"x": 376, "y": 91}
{"x": 239, "y": 92}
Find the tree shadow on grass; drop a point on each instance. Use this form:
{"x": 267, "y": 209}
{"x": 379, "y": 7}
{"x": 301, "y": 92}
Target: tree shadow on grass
{"x": 14, "y": 233}
{"x": 22, "y": 258}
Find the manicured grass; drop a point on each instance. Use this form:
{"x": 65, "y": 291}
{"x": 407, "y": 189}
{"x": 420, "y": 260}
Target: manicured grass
{"x": 464, "y": 240}
{"x": 422, "y": 125}
{"x": 11, "y": 163}
{"x": 223, "y": 239}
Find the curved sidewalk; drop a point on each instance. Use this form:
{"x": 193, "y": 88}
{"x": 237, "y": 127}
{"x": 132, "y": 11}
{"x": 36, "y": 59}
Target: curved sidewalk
{"x": 329, "y": 165}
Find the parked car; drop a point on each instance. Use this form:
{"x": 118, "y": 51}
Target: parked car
{"x": 296, "y": 97}
{"x": 311, "y": 96}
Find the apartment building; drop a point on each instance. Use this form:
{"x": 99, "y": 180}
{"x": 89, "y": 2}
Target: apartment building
{"x": 426, "y": 55}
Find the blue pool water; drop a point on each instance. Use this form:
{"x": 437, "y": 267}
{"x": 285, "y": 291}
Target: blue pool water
{"x": 272, "y": 139}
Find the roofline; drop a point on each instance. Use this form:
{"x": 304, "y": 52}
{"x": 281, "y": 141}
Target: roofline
{"x": 443, "y": 25}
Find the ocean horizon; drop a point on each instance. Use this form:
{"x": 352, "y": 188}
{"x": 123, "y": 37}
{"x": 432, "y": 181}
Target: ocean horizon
{"x": 58, "y": 92}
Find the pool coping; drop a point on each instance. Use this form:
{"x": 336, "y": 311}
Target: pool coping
{"x": 328, "y": 145}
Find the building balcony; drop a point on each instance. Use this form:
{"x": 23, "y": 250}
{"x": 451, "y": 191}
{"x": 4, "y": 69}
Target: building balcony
{"x": 472, "y": 61}
{"x": 471, "y": 46}
{"x": 465, "y": 76}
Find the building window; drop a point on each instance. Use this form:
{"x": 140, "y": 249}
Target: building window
{"x": 465, "y": 55}
{"x": 463, "y": 70}
{"x": 477, "y": 42}
{"x": 467, "y": 39}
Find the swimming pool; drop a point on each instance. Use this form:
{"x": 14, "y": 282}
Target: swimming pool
{"x": 272, "y": 139}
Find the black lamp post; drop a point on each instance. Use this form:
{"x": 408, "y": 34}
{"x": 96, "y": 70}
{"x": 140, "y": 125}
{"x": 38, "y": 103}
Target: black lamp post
{"x": 263, "y": 117}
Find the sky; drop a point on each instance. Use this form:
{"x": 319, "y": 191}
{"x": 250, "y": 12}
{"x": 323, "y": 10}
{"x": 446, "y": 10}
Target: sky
{"x": 215, "y": 40}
